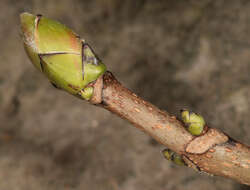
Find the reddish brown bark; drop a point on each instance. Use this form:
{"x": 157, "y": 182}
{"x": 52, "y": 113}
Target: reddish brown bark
{"x": 213, "y": 152}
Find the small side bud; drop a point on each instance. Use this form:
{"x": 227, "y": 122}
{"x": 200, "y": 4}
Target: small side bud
{"x": 195, "y": 123}
{"x": 167, "y": 153}
{"x": 173, "y": 156}
{"x": 86, "y": 93}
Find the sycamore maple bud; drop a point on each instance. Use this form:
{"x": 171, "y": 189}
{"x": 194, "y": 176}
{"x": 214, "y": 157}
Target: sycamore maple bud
{"x": 54, "y": 49}
{"x": 195, "y": 123}
{"x": 173, "y": 156}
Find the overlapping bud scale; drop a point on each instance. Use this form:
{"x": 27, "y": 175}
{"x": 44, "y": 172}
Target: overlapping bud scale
{"x": 68, "y": 61}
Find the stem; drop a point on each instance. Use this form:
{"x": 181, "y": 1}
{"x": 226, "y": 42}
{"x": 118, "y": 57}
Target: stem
{"x": 71, "y": 65}
{"x": 213, "y": 152}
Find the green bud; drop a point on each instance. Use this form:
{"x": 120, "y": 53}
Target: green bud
{"x": 68, "y": 61}
{"x": 177, "y": 159}
{"x": 195, "y": 123}
{"x": 174, "y": 157}
{"x": 167, "y": 153}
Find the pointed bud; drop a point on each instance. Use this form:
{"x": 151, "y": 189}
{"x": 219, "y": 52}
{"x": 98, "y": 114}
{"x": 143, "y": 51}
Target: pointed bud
{"x": 67, "y": 61}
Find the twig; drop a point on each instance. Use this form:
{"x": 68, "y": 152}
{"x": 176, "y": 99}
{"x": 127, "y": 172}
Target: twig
{"x": 71, "y": 65}
{"x": 213, "y": 152}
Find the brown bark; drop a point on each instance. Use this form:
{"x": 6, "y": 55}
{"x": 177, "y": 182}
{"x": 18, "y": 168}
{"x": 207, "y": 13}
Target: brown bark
{"x": 212, "y": 152}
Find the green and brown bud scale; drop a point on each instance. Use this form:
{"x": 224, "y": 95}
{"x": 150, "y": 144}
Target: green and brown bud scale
{"x": 68, "y": 61}
{"x": 195, "y": 123}
{"x": 173, "y": 156}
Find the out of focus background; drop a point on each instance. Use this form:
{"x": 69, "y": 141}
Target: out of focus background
{"x": 175, "y": 53}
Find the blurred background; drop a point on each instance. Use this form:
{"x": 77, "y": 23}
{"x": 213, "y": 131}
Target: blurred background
{"x": 174, "y": 53}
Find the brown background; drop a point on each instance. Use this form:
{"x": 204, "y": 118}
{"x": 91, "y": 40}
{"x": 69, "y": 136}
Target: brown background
{"x": 175, "y": 53}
